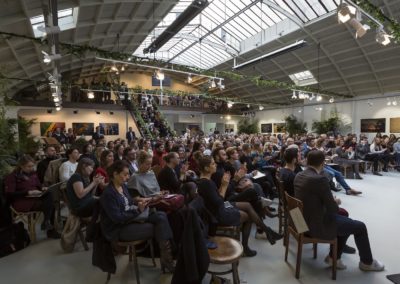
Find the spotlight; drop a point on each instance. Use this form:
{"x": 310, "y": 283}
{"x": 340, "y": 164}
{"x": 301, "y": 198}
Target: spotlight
{"x": 319, "y": 98}
{"x": 49, "y": 111}
{"x": 75, "y": 111}
{"x": 47, "y": 58}
{"x": 58, "y": 108}
{"x": 345, "y": 13}
{"x": 123, "y": 68}
{"x": 230, "y": 104}
{"x": 221, "y": 85}
{"x": 248, "y": 106}
{"x": 228, "y": 117}
{"x": 301, "y": 96}
{"x": 97, "y": 112}
{"x": 90, "y": 95}
{"x": 394, "y": 103}
{"x": 382, "y": 37}
{"x": 361, "y": 29}
{"x": 111, "y": 113}
{"x": 160, "y": 75}
{"x": 212, "y": 84}
{"x": 260, "y": 107}
{"x": 114, "y": 68}
{"x": 189, "y": 79}
{"x": 331, "y": 100}
{"x": 299, "y": 110}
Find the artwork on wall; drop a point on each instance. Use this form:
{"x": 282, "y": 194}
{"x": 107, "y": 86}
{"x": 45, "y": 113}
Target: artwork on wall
{"x": 109, "y": 128}
{"x": 266, "y": 128}
{"x": 395, "y": 125}
{"x": 229, "y": 128}
{"x": 85, "y": 128}
{"x": 373, "y": 125}
{"x": 46, "y": 128}
{"x": 280, "y": 127}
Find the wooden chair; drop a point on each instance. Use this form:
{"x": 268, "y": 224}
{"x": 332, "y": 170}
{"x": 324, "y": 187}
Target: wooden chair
{"x": 229, "y": 231}
{"x": 227, "y": 252}
{"x": 301, "y": 238}
{"x": 345, "y": 168}
{"x": 132, "y": 252}
{"x": 29, "y": 218}
{"x": 282, "y": 210}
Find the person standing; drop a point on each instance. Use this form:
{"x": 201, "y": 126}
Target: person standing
{"x": 130, "y": 135}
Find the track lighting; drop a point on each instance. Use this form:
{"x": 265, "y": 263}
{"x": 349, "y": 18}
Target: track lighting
{"x": 394, "y": 103}
{"x": 123, "y": 68}
{"x": 331, "y": 100}
{"x": 90, "y": 95}
{"x": 56, "y": 99}
{"x": 346, "y": 12}
{"x": 47, "y": 58}
{"x": 260, "y": 107}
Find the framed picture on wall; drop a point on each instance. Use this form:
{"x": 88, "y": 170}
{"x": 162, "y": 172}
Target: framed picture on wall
{"x": 280, "y": 127}
{"x": 266, "y": 128}
{"x": 373, "y": 125}
{"x": 229, "y": 128}
{"x": 395, "y": 125}
{"x": 46, "y": 128}
{"x": 85, "y": 128}
{"x": 109, "y": 128}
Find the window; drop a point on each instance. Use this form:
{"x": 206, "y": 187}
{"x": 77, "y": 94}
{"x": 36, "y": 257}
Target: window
{"x": 303, "y": 78}
{"x": 67, "y": 19}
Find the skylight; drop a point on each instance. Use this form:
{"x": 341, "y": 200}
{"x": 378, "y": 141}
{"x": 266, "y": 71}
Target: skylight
{"x": 303, "y": 78}
{"x": 67, "y": 20}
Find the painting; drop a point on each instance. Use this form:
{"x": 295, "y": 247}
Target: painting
{"x": 85, "y": 128}
{"x": 47, "y": 128}
{"x": 373, "y": 125}
{"x": 280, "y": 127}
{"x": 266, "y": 128}
{"x": 109, "y": 128}
{"x": 395, "y": 125}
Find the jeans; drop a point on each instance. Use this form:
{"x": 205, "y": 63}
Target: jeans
{"x": 338, "y": 176}
{"x": 397, "y": 159}
{"x": 347, "y": 227}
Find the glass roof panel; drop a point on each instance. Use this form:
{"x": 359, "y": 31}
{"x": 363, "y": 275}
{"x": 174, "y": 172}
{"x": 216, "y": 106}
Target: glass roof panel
{"x": 223, "y": 25}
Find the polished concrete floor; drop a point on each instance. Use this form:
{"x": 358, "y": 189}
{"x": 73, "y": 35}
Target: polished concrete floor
{"x": 378, "y": 206}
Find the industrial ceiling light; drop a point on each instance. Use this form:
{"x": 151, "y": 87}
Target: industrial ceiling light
{"x": 189, "y": 79}
{"x": 123, "y": 68}
{"x": 394, "y": 102}
{"x": 319, "y": 98}
{"x": 382, "y": 37}
{"x": 97, "y": 112}
{"x": 260, "y": 107}
{"x": 160, "y": 75}
{"x": 248, "y": 106}
{"x": 90, "y": 95}
{"x": 114, "y": 68}
{"x": 47, "y": 58}
{"x": 58, "y": 108}
{"x": 389, "y": 103}
{"x": 346, "y": 12}
{"x": 56, "y": 99}
{"x": 230, "y": 104}
{"x": 228, "y": 117}
{"x": 221, "y": 85}
{"x": 294, "y": 97}
{"x": 212, "y": 84}
{"x": 195, "y": 8}
{"x": 331, "y": 100}
{"x": 361, "y": 29}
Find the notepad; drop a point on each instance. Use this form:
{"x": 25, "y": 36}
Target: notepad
{"x": 298, "y": 220}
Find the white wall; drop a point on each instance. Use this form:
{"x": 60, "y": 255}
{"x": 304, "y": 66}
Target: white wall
{"x": 351, "y": 112}
{"x": 84, "y": 115}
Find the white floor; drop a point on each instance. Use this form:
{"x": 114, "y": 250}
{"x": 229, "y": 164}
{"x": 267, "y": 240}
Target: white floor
{"x": 44, "y": 262}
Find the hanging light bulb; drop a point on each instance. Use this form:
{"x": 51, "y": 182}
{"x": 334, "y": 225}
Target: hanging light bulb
{"x": 260, "y": 107}
{"x": 319, "y": 98}
{"x": 331, "y": 100}
{"x": 189, "y": 79}
{"x": 90, "y": 95}
{"x": 382, "y": 37}
{"x": 160, "y": 75}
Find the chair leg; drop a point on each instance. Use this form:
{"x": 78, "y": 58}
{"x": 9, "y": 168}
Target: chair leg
{"x": 83, "y": 240}
{"x": 299, "y": 255}
{"x": 286, "y": 241}
{"x": 315, "y": 249}
{"x": 280, "y": 220}
{"x": 235, "y": 273}
{"x": 130, "y": 252}
{"x": 152, "y": 253}
{"x": 135, "y": 263}
{"x": 31, "y": 227}
{"x": 108, "y": 276}
{"x": 334, "y": 260}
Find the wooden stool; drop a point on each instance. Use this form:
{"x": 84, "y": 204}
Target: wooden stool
{"x": 229, "y": 231}
{"x": 30, "y": 218}
{"x": 133, "y": 254}
{"x": 227, "y": 252}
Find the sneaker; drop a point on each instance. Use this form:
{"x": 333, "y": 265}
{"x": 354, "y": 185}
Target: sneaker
{"x": 339, "y": 264}
{"x": 265, "y": 202}
{"x": 374, "y": 266}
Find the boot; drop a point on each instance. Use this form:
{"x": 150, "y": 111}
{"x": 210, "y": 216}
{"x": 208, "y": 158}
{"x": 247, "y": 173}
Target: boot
{"x": 272, "y": 236}
{"x": 166, "y": 259}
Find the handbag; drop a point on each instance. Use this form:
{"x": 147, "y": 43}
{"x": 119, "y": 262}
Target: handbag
{"x": 169, "y": 203}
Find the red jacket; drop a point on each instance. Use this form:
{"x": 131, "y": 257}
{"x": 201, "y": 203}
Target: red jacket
{"x": 158, "y": 159}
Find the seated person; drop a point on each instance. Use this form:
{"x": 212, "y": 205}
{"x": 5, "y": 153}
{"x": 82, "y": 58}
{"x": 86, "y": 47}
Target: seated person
{"x": 321, "y": 214}
{"x": 347, "y": 157}
{"x": 229, "y": 213}
{"x": 80, "y": 191}
{"x": 87, "y": 152}
{"x": 122, "y": 220}
{"x": 106, "y": 160}
{"x": 25, "y": 193}
{"x": 68, "y": 168}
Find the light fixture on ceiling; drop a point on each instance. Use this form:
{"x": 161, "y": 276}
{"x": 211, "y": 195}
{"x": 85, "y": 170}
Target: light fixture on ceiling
{"x": 189, "y": 79}
{"x": 280, "y": 51}
{"x": 58, "y": 108}
{"x": 394, "y": 102}
{"x": 228, "y": 117}
{"x": 346, "y": 12}
{"x": 56, "y": 99}
{"x": 382, "y": 37}
{"x": 361, "y": 29}
{"x": 90, "y": 95}
{"x": 229, "y": 104}
{"x": 221, "y": 85}
{"x": 114, "y": 68}
{"x": 319, "y": 108}
{"x": 123, "y": 68}
{"x": 248, "y": 106}
{"x": 47, "y": 58}
{"x": 300, "y": 111}
{"x": 261, "y": 107}
{"x": 183, "y": 18}
{"x": 294, "y": 96}
{"x": 370, "y": 103}
{"x": 312, "y": 97}
{"x": 212, "y": 84}
{"x": 319, "y": 98}
{"x": 160, "y": 75}
{"x": 331, "y": 100}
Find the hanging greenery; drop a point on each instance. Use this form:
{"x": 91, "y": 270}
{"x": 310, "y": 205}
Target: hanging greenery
{"x": 248, "y": 126}
{"x": 294, "y": 126}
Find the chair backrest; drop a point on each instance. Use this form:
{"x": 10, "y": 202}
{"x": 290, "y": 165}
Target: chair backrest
{"x": 156, "y": 169}
{"x": 281, "y": 193}
{"x": 293, "y": 203}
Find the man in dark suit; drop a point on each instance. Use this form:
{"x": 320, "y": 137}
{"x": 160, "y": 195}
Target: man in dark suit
{"x": 320, "y": 213}
{"x": 130, "y": 135}
{"x": 97, "y": 135}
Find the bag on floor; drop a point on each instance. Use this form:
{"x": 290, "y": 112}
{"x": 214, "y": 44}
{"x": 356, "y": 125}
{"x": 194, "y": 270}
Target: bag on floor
{"x": 70, "y": 233}
{"x": 13, "y": 238}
